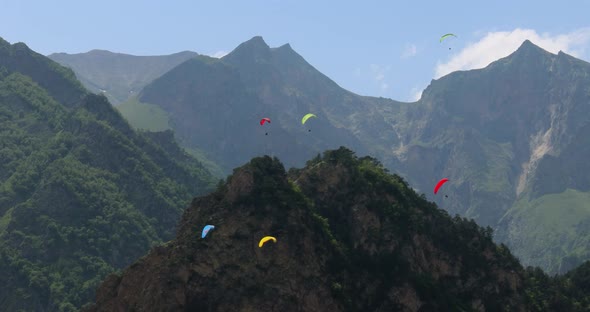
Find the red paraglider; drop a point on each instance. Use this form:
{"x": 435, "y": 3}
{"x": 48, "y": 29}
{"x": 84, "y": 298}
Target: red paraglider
{"x": 439, "y": 184}
{"x": 263, "y": 120}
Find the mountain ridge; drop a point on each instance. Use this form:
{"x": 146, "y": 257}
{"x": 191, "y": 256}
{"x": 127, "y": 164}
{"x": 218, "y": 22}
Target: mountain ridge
{"x": 119, "y": 76}
{"x": 488, "y": 130}
{"x": 82, "y": 194}
{"x": 350, "y": 248}
{"x": 349, "y": 237}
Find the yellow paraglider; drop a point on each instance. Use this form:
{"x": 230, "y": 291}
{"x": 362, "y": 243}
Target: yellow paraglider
{"x": 306, "y": 117}
{"x": 266, "y": 239}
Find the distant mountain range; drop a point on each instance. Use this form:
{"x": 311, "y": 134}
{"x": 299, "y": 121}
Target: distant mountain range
{"x": 118, "y": 76}
{"x": 510, "y": 137}
{"x": 82, "y": 194}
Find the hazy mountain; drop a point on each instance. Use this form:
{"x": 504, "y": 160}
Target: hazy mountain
{"x": 349, "y": 237}
{"x": 81, "y": 193}
{"x": 510, "y": 137}
{"x": 116, "y": 75}
{"x": 216, "y": 104}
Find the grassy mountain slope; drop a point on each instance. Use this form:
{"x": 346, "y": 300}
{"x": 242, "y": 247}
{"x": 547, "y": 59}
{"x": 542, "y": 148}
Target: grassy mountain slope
{"x": 81, "y": 193}
{"x": 116, "y": 75}
{"x": 144, "y": 116}
{"x": 551, "y": 229}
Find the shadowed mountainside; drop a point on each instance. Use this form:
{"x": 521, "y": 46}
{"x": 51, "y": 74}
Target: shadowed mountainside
{"x": 349, "y": 237}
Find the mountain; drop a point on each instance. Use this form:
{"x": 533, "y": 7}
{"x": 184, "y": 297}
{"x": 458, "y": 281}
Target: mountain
{"x": 116, "y": 75}
{"x": 82, "y": 194}
{"x": 499, "y": 134}
{"x": 510, "y": 137}
{"x": 349, "y": 237}
{"x": 215, "y": 105}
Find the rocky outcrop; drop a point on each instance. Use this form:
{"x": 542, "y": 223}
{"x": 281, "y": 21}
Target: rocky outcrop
{"x": 349, "y": 238}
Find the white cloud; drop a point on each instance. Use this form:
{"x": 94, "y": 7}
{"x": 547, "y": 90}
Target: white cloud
{"x": 379, "y": 72}
{"x": 496, "y": 45}
{"x": 219, "y": 54}
{"x": 416, "y": 94}
{"x": 409, "y": 51}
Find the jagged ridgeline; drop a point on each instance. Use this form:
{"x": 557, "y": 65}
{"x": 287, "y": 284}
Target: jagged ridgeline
{"x": 350, "y": 237}
{"x": 511, "y": 137}
{"x": 81, "y": 193}
{"x": 118, "y": 76}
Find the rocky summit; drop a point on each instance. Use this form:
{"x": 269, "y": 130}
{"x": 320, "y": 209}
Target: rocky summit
{"x": 349, "y": 237}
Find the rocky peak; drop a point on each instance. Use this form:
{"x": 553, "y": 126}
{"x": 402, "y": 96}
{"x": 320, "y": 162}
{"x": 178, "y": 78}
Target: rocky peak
{"x": 253, "y": 49}
{"x": 350, "y": 237}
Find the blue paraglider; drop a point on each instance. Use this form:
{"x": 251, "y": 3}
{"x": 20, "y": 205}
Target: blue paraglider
{"x": 206, "y": 230}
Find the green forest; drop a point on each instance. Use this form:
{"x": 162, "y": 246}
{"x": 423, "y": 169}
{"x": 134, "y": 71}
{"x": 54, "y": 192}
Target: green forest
{"x": 81, "y": 193}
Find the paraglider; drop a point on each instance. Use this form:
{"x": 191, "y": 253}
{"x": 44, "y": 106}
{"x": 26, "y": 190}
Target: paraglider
{"x": 264, "y": 120}
{"x": 443, "y": 37}
{"x": 206, "y": 230}
{"x": 446, "y": 36}
{"x": 306, "y": 117}
{"x": 266, "y": 239}
{"x": 439, "y": 184}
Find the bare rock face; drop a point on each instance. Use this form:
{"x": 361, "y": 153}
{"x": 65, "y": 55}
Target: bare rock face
{"x": 350, "y": 237}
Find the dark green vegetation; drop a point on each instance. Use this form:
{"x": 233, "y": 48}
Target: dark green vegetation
{"x": 350, "y": 237}
{"x": 81, "y": 193}
{"x": 511, "y": 137}
{"x": 118, "y": 76}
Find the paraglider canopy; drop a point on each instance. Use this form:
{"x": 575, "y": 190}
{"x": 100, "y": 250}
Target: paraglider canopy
{"x": 263, "y": 120}
{"x": 443, "y": 37}
{"x": 439, "y": 184}
{"x": 206, "y": 230}
{"x": 266, "y": 239}
{"x": 306, "y": 117}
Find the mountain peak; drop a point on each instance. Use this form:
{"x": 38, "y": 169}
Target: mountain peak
{"x": 285, "y": 46}
{"x": 257, "y": 40}
{"x": 254, "y": 48}
{"x": 256, "y": 43}
{"x": 287, "y": 51}
{"x": 527, "y": 48}
{"x": 527, "y": 43}
{"x": 310, "y": 223}
{"x": 99, "y": 51}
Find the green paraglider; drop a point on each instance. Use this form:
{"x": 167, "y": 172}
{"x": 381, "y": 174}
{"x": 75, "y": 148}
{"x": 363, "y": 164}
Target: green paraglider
{"x": 306, "y": 117}
{"x": 446, "y": 36}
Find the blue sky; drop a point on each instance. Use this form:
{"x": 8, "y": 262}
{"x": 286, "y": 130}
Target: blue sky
{"x": 379, "y": 48}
